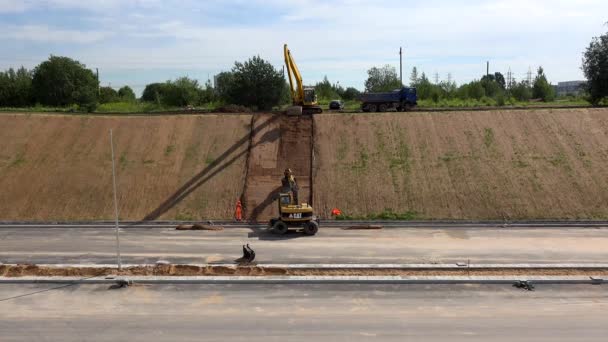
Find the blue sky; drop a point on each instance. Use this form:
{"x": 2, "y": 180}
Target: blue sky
{"x": 135, "y": 42}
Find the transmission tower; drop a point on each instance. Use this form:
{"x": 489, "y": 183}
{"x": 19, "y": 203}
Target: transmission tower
{"x": 449, "y": 78}
{"x": 509, "y": 78}
{"x": 436, "y": 78}
{"x": 529, "y": 74}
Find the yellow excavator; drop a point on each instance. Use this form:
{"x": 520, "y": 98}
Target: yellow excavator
{"x": 304, "y": 98}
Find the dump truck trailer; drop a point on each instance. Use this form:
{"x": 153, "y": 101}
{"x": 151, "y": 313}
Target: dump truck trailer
{"x": 402, "y": 100}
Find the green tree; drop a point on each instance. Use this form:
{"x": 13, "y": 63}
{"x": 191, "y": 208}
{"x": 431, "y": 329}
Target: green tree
{"x": 223, "y": 85}
{"x": 521, "y": 91}
{"x": 350, "y": 94}
{"x": 541, "y": 88}
{"x": 16, "y": 88}
{"x": 181, "y": 92}
{"x": 61, "y": 81}
{"x": 255, "y": 83}
{"x": 595, "y": 67}
{"x": 126, "y": 94}
{"x": 382, "y": 79}
{"x": 414, "y": 77}
{"x": 107, "y": 94}
{"x": 207, "y": 94}
{"x": 325, "y": 90}
{"x": 154, "y": 92}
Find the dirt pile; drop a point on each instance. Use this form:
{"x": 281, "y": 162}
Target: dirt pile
{"x": 194, "y": 270}
{"x": 277, "y": 143}
{"x": 464, "y": 165}
{"x": 58, "y": 167}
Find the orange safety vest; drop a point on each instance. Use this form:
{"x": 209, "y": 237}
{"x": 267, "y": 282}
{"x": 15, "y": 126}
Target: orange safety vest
{"x": 238, "y": 212}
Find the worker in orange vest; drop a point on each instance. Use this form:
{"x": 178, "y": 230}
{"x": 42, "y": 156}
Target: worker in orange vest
{"x": 238, "y": 212}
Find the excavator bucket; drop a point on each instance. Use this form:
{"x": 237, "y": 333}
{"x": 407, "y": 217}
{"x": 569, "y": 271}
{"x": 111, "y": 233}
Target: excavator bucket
{"x": 294, "y": 110}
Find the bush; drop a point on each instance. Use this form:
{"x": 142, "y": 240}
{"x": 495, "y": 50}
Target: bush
{"x": 182, "y": 92}
{"x": 107, "y": 95}
{"x": 126, "y": 94}
{"x": 542, "y": 89}
{"x": 231, "y": 108}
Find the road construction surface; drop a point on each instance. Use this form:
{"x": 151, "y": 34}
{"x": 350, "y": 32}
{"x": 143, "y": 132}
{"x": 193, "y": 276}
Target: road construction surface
{"x": 331, "y": 245}
{"x": 303, "y": 313}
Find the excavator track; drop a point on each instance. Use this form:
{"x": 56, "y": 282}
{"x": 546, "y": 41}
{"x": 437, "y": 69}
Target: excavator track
{"x": 312, "y": 110}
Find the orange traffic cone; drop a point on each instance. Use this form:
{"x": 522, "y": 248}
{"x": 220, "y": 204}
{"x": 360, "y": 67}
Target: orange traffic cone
{"x": 238, "y": 212}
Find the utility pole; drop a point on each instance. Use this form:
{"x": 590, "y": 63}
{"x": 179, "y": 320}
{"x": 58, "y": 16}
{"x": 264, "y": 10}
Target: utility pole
{"x": 118, "y": 261}
{"x": 401, "y": 65}
{"x": 488, "y": 68}
{"x": 98, "y": 87}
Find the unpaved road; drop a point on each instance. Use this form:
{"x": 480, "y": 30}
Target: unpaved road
{"x": 304, "y": 313}
{"x": 331, "y": 245}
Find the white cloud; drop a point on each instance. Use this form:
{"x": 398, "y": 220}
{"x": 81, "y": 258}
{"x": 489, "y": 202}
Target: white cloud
{"x": 43, "y": 33}
{"x": 339, "y": 38}
{"x": 13, "y": 6}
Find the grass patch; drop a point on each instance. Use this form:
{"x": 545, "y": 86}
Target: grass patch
{"x": 488, "y": 137}
{"x": 123, "y": 161}
{"x": 209, "y": 160}
{"x": 449, "y": 156}
{"x": 402, "y": 159}
{"x": 19, "y": 159}
{"x": 361, "y": 163}
{"x": 169, "y": 149}
{"x": 387, "y": 214}
{"x": 342, "y": 149}
{"x": 148, "y": 161}
{"x": 521, "y": 164}
{"x": 558, "y": 159}
{"x": 184, "y": 216}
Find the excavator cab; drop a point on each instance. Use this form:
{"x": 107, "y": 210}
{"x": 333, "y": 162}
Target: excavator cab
{"x": 310, "y": 97}
{"x": 293, "y": 215}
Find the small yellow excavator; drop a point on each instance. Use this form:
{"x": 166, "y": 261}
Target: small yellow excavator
{"x": 293, "y": 215}
{"x": 304, "y": 98}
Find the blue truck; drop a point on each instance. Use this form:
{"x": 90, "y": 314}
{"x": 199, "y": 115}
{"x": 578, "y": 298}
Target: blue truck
{"x": 402, "y": 100}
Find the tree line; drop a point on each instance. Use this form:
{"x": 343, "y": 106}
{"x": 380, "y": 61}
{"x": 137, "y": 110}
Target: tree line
{"x": 257, "y": 84}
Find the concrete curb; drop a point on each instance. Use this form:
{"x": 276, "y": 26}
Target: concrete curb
{"x": 261, "y": 280}
{"x": 458, "y": 266}
{"x": 325, "y": 223}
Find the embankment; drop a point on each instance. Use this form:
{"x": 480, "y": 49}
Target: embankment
{"x": 536, "y": 164}
{"x": 464, "y": 165}
{"x": 58, "y": 167}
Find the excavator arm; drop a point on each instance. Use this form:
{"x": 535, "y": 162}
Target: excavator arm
{"x": 297, "y": 88}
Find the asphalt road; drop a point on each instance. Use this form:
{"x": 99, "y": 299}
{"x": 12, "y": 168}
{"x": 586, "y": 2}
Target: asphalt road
{"x": 304, "y": 313}
{"x": 406, "y": 245}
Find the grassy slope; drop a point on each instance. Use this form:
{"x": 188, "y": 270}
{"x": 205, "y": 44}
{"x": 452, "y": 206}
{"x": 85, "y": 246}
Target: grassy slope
{"x": 59, "y": 167}
{"x": 465, "y": 165}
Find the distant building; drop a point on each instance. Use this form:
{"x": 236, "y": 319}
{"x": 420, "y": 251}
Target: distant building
{"x": 569, "y": 88}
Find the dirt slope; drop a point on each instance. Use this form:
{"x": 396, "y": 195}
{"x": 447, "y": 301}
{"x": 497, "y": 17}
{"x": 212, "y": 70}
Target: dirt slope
{"x": 475, "y": 165}
{"x": 278, "y": 142}
{"x": 59, "y": 167}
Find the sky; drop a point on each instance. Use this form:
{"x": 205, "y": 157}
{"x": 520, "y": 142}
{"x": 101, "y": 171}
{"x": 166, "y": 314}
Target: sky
{"x": 136, "y": 42}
